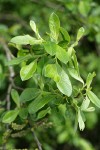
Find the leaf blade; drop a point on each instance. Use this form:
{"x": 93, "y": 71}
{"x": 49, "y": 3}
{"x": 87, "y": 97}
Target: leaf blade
{"x": 29, "y": 94}
{"x": 15, "y": 97}
{"x": 18, "y": 60}
{"x": 27, "y": 71}
{"x": 10, "y": 116}
{"x": 93, "y": 98}
{"x": 54, "y": 25}
{"x": 38, "y": 103}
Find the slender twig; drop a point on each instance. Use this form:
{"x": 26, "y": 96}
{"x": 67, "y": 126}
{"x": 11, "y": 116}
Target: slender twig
{"x": 37, "y": 140}
{"x": 11, "y": 71}
{"x": 13, "y": 17}
{"x": 34, "y": 135}
{"x": 49, "y": 5}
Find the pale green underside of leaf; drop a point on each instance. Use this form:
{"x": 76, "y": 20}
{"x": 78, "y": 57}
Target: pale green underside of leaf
{"x": 90, "y": 109}
{"x": 61, "y": 78}
{"x": 80, "y": 33}
{"x": 64, "y": 84}
{"x": 85, "y": 103}
{"x": 24, "y": 40}
{"x": 80, "y": 121}
{"x": 93, "y": 98}
{"x": 75, "y": 74}
{"x": 62, "y": 55}
{"x": 90, "y": 78}
{"x": 33, "y": 26}
{"x": 35, "y": 29}
{"x": 54, "y": 25}
{"x": 51, "y": 72}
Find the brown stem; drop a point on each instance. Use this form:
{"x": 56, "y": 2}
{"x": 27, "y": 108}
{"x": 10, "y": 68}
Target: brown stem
{"x": 37, "y": 140}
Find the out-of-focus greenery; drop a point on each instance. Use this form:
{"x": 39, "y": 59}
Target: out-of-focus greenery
{"x": 14, "y": 19}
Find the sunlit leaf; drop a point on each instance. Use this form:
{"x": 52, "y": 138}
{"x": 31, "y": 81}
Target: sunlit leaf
{"x": 85, "y": 103}
{"x": 75, "y": 74}
{"x": 25, "y": 39}
{"x": 62, "y": 55}
{"x": 51, "y": 72}
{"x": 80, "y": 120}
{"x": 10, "y": 116}
{"x": 80, "y": 33}
{"x": 50, "y": 48}
{"x": 89, "y": 79}
{"x": 90, "y": 109}
{"x": 54, "y": 25}
{"x": 93, "y": 98}
{"x": 35, "y": 29}
{"x": 64, "y": 84}
{"x": 27, "y": 71}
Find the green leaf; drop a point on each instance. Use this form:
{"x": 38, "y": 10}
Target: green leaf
{"x": 25, "y": 39}
{"x": 22, "y": 40}
{"x": 54, "y": 25}
{"x": 89, "y": 79}
{"x": 10, "y": 116}
{"x": 97, "y": 36}
{"x": 93, "y": 98}
{"x": 62, "y": 55}
{"x": 81, "y": 120}
{"x": 51, "y": 72}
{"x": 27, "y": 71}
{"x": 85, "y": 103}
{"x": 23, "y": 113}
{"x": 15, "y": 97}
{"x": 75, "y": 74}
{"x": 80, "y": 33}
{"x": 65, "y": 34}
{"x": 50, "y": 48}
{"x": 90, "y": 109}
{"x": 18, "y": 60}
{"x": 1, "y": 70}
{"x": 43, "y": 113}
{"x": 33, "y": 26}
{"x": 39, "y": 102}
{"x": 84, "y": 7}
{"x": 29, "y": 94}
{"x": 35, "y": 29}
{"x": 64, "y": 84}
{"x": 76, "y": 65}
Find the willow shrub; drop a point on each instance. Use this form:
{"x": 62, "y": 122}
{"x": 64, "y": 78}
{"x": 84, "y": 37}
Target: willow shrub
{"x": 51, "y": 64}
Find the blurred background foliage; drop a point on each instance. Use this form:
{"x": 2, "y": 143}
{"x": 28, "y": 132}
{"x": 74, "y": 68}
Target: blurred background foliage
{"x": 14, "y": 20}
